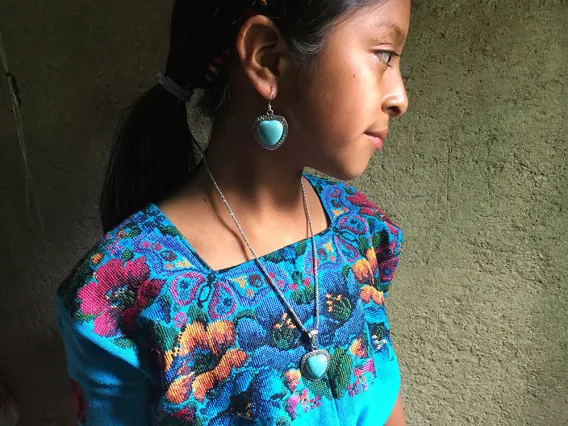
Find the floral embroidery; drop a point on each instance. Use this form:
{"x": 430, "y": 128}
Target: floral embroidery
{"x": 358, "y": 348}
{"x": 226, "y": 348}
{"x": 212, "y": 346}
{"x": 304, "y": 401}
{"x": 118, "y": 294}
{"x": 292, "y": 379}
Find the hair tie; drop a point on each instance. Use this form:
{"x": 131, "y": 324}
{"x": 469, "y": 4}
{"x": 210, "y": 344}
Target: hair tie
{"x": 183, "y": 94}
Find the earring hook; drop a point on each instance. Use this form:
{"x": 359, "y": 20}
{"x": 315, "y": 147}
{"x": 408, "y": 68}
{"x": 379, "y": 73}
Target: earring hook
{"x": 270, "y": 111}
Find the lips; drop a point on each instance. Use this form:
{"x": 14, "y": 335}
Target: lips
{"x": 377, "y": 137}
{"x": 381, "y": 134}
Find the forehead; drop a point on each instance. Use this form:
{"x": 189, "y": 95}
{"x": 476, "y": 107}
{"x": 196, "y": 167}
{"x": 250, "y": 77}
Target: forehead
{"x": 387, "y": 17}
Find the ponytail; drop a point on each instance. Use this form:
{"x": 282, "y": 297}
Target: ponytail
{"x": 152, "y": 156}
{"x": 154, "y": 151}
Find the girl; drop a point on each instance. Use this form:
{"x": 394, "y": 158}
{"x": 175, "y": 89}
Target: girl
{"x": 233, "y": 288}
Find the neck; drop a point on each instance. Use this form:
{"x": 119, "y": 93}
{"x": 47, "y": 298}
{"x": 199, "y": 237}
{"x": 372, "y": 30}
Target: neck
{"x": 261, "y": 182}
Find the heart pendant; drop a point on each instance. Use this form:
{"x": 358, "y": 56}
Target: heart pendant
{"x": 270, "y": 131}
{"x": 314, "y": 364}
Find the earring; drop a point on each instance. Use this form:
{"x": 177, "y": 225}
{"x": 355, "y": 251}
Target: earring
{"x": 270, "y": 130}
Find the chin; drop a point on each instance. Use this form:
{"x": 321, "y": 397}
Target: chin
{"x": 345, "y": 172}
{"x": 349, "y": 175}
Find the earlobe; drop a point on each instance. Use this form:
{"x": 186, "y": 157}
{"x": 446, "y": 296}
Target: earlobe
{"x": 262, "y": 51}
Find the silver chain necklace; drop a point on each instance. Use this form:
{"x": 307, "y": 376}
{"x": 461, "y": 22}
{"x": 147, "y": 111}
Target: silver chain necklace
{"x": 314, "y": 363}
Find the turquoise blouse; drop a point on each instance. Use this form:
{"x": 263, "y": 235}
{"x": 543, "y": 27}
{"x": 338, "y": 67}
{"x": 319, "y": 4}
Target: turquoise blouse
{"x": 153, "y": 335}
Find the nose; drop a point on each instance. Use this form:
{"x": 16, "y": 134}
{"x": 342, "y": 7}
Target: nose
{"x": 395, "y": 101}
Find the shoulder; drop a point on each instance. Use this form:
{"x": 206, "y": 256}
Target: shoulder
{"x": 111, "y": 283}
{"x": 350, "y": 208}
{"x": 343, "y": 198}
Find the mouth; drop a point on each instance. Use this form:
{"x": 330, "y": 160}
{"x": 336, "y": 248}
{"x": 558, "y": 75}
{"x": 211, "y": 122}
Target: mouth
{"x": 377, "y": 137}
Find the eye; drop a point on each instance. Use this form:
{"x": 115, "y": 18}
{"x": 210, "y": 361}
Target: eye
{"x": 386, "y": 56}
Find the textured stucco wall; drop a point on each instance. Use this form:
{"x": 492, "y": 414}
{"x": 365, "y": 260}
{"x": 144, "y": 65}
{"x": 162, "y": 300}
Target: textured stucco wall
{"x": 476, "y": 174}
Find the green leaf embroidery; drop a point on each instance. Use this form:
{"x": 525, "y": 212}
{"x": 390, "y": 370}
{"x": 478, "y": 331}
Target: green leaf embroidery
{"x": 317, "y": 387}
{"x": 283, "y": 337}
{"x": 363, "y": 244}
{"x": 80, "y": 316}
{"x": 301, "y": 248}
{"x": 297, "y": 277}
{"x": 340, "y": 307}
{"x": 169, "y": 230}
{"x": 345, "y": 270}
{"x": 134, "y": 231}
{"x": 310, "y": 293}
{"x": 275, "y": 257}
{"x": 340, "y": 369}
{"x": 384, "y": 287}
{"x": 303, "y": 296}
{"x": 298, "y": 297}
{"x": 196, "y": 314}
{"x": 245, "y": 313}
{"x": 377, "y": 239}
{"x": 124, "y": 343}
{"x": 379, "y": 330}
{"x": 165, "y": 336}
{"x": 127, "y": 254}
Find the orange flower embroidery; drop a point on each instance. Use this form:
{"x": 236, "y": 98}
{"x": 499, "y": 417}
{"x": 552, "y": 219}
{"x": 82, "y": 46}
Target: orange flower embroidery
{"x": 217, "y": 339}
{"x": 358, "y": 348}
{"x": 292, "y": 379}
{"x": 364, "y": 269}
{"x": 369, "y": 293}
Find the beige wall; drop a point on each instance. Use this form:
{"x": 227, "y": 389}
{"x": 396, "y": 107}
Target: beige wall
{"x": 475, "y": 173}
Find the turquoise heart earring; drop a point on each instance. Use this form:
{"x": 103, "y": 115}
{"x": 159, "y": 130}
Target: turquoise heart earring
{"x": 270, "y": 130}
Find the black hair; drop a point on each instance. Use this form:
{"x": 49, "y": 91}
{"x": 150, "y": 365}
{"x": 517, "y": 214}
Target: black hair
{"x": 153, "y": 152}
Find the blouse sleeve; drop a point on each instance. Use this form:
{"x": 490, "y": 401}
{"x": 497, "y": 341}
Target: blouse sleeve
{"x": 388, "y": 241}
{"x": 386, "y": 238}
{"x": 109, "y": 385}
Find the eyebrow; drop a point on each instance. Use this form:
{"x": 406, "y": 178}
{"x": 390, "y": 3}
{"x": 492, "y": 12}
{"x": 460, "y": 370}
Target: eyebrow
{"x": 399, "y": 34}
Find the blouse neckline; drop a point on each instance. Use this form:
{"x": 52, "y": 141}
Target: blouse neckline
{"x": 322, "y": 234}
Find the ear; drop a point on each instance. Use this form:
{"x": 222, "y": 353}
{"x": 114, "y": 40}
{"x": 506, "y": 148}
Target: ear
{"x": 264, "y": 54}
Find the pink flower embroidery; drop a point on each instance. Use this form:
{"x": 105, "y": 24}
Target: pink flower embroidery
{"x": 387, "y": 268}
{"x": 121, "y": 291}
{"x": 293, "y": 402}
{"x": 367, "y": 207}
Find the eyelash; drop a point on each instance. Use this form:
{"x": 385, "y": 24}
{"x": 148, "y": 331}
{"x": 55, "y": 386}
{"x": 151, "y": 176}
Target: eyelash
{"x": 390, "y": 54}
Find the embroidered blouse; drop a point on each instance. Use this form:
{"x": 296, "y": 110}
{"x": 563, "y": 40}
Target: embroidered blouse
{"x": 153, "y": 335}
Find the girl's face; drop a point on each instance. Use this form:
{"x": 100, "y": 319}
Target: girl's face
{"x": 356, "y": 87}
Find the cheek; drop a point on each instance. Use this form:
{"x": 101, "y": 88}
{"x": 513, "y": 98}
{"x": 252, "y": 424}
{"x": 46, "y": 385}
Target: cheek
{"x": 334, "y": 108}
{"x": 348, "y": 96}
{"x": 331, "y": 115}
